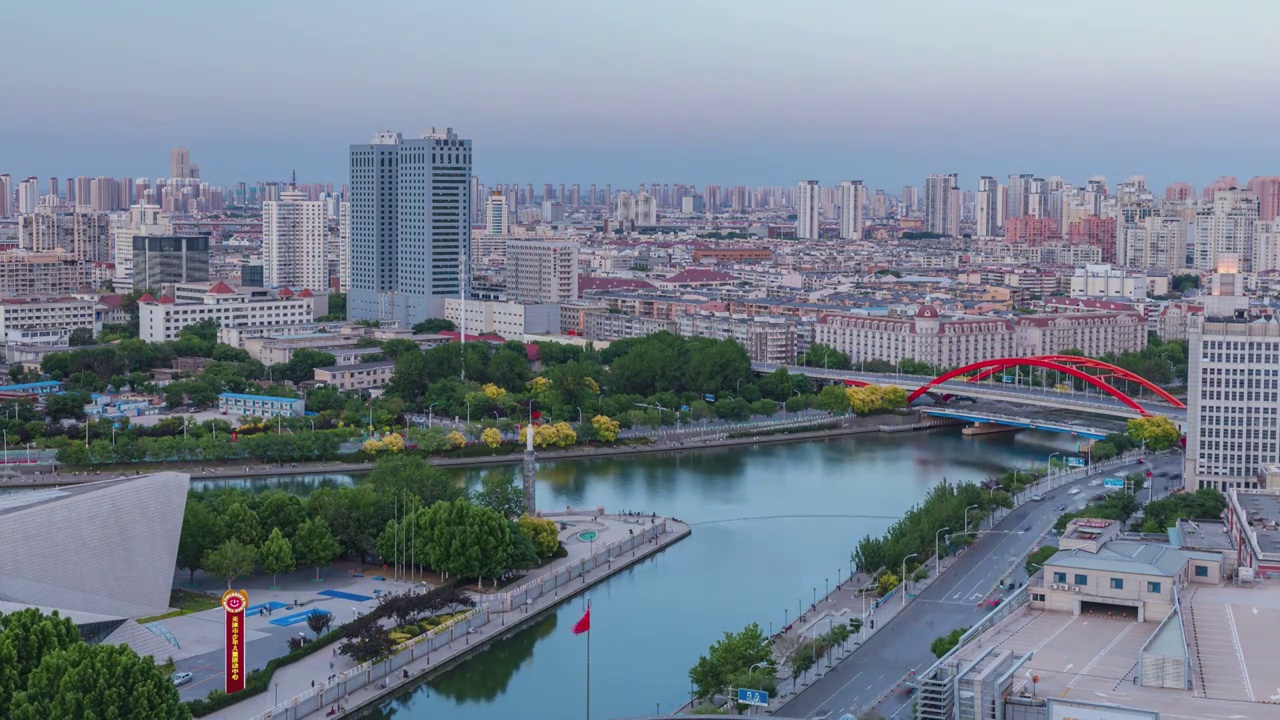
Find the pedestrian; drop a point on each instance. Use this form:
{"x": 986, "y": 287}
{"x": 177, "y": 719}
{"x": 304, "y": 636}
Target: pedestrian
{"x": 313, "y": 684}
{"x": 330, "y": 664}
{"x": 335, "y": 653}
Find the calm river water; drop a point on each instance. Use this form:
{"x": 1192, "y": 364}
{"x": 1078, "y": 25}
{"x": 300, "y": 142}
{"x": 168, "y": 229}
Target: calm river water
{"x": 764, "y": 538}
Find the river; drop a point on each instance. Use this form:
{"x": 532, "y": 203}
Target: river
{"x": 772, "y": 525}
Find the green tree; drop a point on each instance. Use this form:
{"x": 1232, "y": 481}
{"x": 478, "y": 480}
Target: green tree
{"x": 314, "y": 544}
{"x": 543, "y": 533}
{"x": 230, "y": 560}
{"x": 943, "y": 645}
{"x": 319, "y": 621}
{"x": 500, "y": 495}
{"x": 434, "y": 325}
{"x": 733, "y": 654}
{"x": 401, "y": 474}
{"x": 202, "y": 530}
{"x": 242, "y": 524}
{"x": 824, "y": 356}
{"x": 98, "y": 681}
{"x": 277, "y": 556}
{"x": 355, "y": 515}
{"x": 1158, "y": 432}
{"x": 1036, "y": 560}
{"x": 80, "y": 336}
{"x": 396, "y": 347}
{"x": 26, "y": 637}
{"x": 67, "y": 405}
{"x": 833, "y": 398}
{"x": 279, "y": 509}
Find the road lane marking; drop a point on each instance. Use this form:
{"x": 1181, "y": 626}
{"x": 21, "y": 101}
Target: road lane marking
{"x": 1235, "y": 638}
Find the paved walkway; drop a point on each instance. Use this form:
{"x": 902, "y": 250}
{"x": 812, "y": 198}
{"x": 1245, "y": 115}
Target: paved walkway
{"x": 302, "y": 677}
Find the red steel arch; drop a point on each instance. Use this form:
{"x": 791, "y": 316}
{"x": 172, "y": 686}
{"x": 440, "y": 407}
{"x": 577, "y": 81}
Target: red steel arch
{"x": 1002, "y": 363}
{"x": 1092, "y": 364}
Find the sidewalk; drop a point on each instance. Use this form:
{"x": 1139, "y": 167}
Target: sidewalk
{"x": 309, "y": 688}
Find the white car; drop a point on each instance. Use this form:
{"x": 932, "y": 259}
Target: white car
{"x": 182, "y": 678}
{"x": 1073, "y": 491}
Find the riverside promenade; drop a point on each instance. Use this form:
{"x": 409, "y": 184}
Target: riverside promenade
{"x": 318, "y": 683}
{"x": 665, "y": 440}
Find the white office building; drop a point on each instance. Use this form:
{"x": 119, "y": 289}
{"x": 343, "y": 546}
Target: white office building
{"x": 45, "y": 322}
{"x": 853, "y": 198}
{"x": 807, "y": 201}
{"x": 344, "y": 247}
{"x": 497, "y": 219}
{"x": 541, "y": 271}
{"x": 143, "y": 220}
{"x": 1233, "y": 399}
{"x": 293, "y": 239}
{"x": 410, "y": 225}
{"x": 510, "y": 320}
{"x": 161, "y": 319}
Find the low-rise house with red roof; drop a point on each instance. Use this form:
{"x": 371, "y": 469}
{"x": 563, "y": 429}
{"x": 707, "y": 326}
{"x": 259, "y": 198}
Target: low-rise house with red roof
{"x": 163, "y": 318}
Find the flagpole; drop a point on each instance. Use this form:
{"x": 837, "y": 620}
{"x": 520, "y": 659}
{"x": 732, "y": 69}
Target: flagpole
{"x": 588, "y": 661}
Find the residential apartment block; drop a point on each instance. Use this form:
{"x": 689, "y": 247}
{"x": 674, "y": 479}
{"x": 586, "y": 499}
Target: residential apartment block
{"x": 511, "y": 320}
{"x": 541, "y": 271}
{"x": 28, "y": 274}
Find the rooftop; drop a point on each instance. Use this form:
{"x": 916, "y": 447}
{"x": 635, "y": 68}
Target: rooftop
{"x": 1262, "y": 510}
{"x": 244, "y": 396}
{"x": 1126, "y": 557}
{"x": 1201, "y": 535}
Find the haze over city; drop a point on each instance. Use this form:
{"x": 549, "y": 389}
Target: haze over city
{"x": 747, "y": 92}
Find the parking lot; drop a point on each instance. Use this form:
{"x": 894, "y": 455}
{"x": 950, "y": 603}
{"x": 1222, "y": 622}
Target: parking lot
{"x": 1235, "y": 631}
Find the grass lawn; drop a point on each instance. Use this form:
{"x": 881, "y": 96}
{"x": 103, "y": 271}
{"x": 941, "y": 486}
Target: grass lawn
{"x": 187, "y": 602}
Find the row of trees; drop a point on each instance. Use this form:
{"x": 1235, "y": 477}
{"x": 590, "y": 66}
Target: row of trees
{"x": 210, "y": 445}
{"x": 48, "y": 671}
{"x": 915, "y": 532}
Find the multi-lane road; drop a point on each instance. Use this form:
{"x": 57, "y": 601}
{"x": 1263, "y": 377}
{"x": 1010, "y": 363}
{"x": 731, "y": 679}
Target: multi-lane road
{"x": 953, "y": 600}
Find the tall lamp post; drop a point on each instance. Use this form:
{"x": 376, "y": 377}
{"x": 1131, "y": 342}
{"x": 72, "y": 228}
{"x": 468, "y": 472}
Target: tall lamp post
{"x": 966, "y": 517}
{"x": 937, "y": 556}
{"x": 1048, "y": 471}
{"x": 431, "y": 413}
{"x": 904, "y": 576}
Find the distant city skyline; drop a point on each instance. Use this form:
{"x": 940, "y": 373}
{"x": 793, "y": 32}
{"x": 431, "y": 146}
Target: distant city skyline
{"x": 750, "y": 92}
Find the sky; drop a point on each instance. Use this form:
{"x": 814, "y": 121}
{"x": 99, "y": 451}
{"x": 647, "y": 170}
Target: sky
{"x": 755, "y": 92}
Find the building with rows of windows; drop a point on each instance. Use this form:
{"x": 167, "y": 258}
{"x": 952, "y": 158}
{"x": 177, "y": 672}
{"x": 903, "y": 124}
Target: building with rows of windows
{"x": 1233, "y": 393}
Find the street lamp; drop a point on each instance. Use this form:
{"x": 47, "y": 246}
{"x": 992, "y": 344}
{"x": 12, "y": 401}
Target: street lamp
{"x": 6, "y": 445}
{"x": 431, "y": 413}
{"x": 579, "y": 415}
{"x": 937, "y": 556}
{"x": 904, "y": 576}
{"x": 966, "y": 517}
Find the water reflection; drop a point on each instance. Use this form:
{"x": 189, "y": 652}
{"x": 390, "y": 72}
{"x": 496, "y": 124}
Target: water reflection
{"x": 486, "y": 676}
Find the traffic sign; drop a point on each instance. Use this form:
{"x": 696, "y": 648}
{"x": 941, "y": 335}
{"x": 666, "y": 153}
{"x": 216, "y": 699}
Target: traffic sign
{"x": 753, "y": 697}
{"x": 1075, "y": 462}
{"x": 709, "y": 397}
{"x": 1113, "y": 482}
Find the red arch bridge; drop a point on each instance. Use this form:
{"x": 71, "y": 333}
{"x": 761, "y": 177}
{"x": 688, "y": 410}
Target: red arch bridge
{"x": 1108, "y": 389}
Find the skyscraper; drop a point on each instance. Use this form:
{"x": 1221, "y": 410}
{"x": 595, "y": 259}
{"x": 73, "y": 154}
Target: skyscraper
{"x": 410, "y": 225}
{"x": 1019, "y": 188}
{"x": 942, "y": 204}
{"x": 1268, "y": 191}
{"x": 807, "y": 210}
{"x": 853, "y": 197}
{"x": 6, "y": 195}
{"x": 496, "y": 217}
{"x": 179, "y": 163}
{"x": 293, "y": 237}
{"x": 158, "y": 260}
{"x": 646, "y": 210}
{"x": 986, "y": 205}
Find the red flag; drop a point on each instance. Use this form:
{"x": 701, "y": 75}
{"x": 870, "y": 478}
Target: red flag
{"x": 584, "y": 624}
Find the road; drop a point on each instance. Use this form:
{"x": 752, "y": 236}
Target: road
{"x": 950, "y": 602}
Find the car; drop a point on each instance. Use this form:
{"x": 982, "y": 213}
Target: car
{"x": 1099, "y": 497}
{"x": 182, "y": 678}
{"x": 1037, "y": 498}
{"x": 1073, "y": 491}
{"x": 1062, "y": 508}
{"x": 1026, "y": 529}
{"x": 1141, "y": 461}
{"x": 820, "y": 715}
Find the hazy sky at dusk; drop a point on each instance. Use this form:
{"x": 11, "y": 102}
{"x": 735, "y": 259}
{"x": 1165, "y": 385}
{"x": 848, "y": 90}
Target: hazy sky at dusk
{"x": 737, "y": 91}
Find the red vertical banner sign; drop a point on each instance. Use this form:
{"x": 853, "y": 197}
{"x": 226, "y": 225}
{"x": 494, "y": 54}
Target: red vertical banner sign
{"x": 235, "y": 602}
